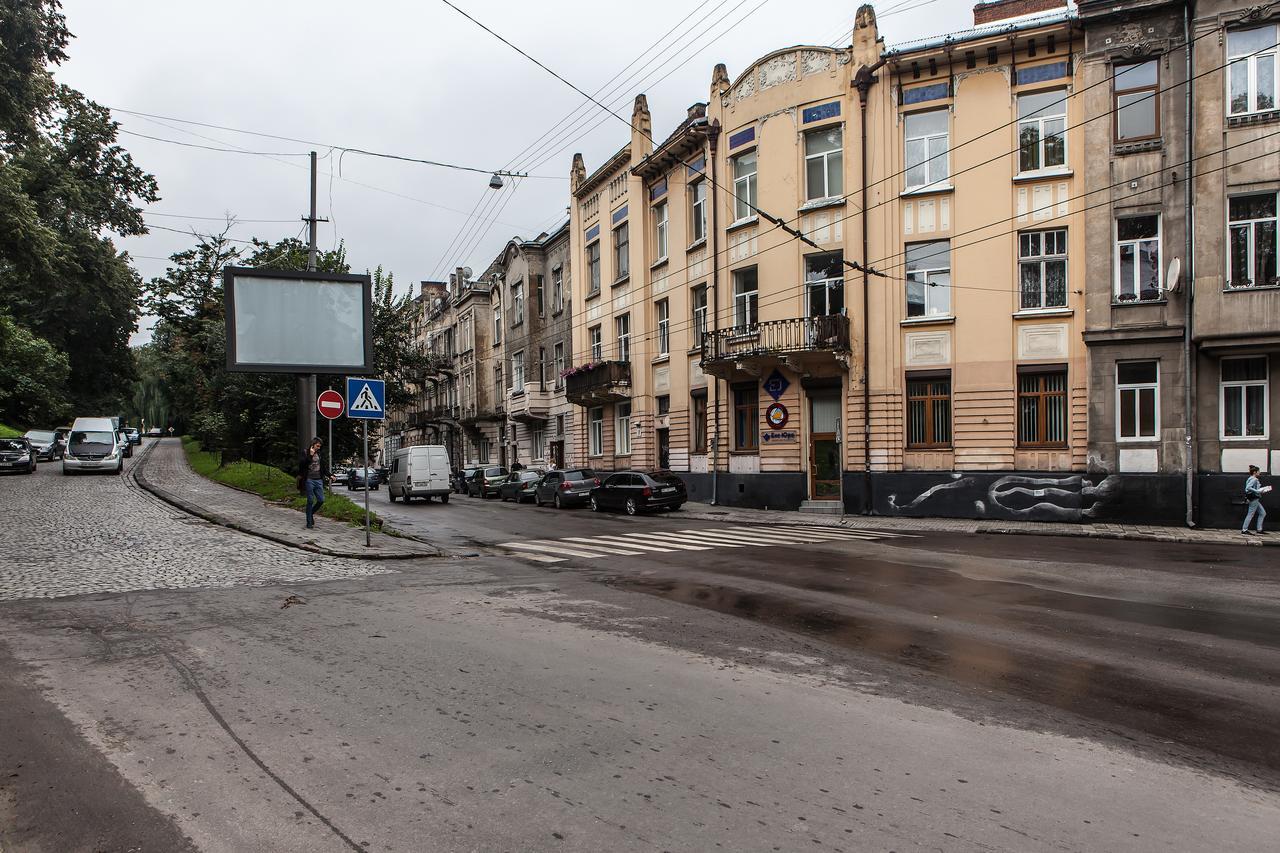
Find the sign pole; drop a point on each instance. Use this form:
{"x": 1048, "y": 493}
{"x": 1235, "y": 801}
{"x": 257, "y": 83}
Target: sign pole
{"x": 366, "y": 483}
{"x": 330, "y": 445}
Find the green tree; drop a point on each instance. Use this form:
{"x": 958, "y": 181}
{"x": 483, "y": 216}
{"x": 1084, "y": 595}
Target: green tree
{"x": 32, "y": 375}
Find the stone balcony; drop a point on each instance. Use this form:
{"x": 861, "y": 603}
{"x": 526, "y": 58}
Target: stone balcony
{"x": 531, "y": 403}
{"x": 800, "y": 342}
{"x": 598, "y": 383}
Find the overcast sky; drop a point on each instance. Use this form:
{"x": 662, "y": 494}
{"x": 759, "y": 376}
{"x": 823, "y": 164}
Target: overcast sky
{"x": 412, "y": 78}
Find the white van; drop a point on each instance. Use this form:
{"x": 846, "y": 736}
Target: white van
{"x": 419, "y": 472}
{"x": 93, "y": 445}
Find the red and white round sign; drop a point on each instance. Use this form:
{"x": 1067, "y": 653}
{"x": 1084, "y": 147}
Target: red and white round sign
{"x": 329, "y": 403}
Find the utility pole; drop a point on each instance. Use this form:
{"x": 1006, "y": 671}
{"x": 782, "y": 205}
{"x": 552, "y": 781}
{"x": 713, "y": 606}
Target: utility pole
{"x": 307, "y": 382}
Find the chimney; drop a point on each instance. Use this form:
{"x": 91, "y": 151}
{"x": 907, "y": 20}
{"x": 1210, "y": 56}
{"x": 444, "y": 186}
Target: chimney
{"x": 1002, "y": 10}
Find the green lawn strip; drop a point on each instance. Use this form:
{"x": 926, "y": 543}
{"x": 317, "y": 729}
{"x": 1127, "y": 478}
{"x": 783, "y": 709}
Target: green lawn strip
{"x": 272, "y": 484}
{"x": 9, "y": 432}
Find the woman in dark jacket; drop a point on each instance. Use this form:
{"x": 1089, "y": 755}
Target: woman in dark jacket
{"x": 312, "y": 474}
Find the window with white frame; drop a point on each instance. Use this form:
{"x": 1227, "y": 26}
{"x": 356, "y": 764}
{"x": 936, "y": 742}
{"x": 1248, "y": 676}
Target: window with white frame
{"x": 517, "y": 303}
{"x": 596, "y": 336}
{"x": 927, "y": 143}
{"x": 824, "y": 162}
{"x": 622, "y": 428}
{"x": 482, "y": 451}
{"x": 824, "y": 283}
{"x": 1252, "y": 225}
{"x": 595, "y": 431}
{"x": 538, "y": 443}
{"x": 660, "y": 229}
{"x": 1136, "y": 90}
{"x": 557, "y": 289}
{"x": 622, "y": 327}
{"x": 557, "y": 354}
{"x": 662, "y": 313}
{"x": 929, "y": 279}
{"x": 698, "y": 210}
{"x": 1251, "y": 72}
{"x": 517, "y": 372}
{"x": 1243, "y": 392}
{"x": 1042, "y": 269}
{"x": 1137, "y": 400}
{"x": 497, "y": 324}
{"x": 1042, "y": 123}
{"x": 746, "y": 292}
{"x": 621, "y": 252}
{"x": 1138, "y": 273}
{"x": 744, "y": 185}
{"x": 699, "y": 300}
{"x": 593, "y": 267}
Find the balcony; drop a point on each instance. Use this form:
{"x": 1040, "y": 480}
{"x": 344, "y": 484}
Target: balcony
{"x": 598, "y": 383}
{"x": 474, "y": 413}
{"x": 800, "y": 342}
{"x": 532, "y": 403}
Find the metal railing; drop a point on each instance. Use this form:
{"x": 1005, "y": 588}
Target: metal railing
{"x": 600, "y": 381}
{"x": 778, "y": 337}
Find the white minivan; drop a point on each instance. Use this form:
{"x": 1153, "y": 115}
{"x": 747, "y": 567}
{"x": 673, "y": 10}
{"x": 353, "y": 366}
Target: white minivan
{"x": 93, "y": 445}
{"x": 419, "y": 472}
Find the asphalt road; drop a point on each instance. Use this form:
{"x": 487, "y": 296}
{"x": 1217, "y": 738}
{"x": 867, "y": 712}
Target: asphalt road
{"x": 778, "y": 693}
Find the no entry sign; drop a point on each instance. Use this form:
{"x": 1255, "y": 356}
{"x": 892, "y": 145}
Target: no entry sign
{"x": 330, "y": 404}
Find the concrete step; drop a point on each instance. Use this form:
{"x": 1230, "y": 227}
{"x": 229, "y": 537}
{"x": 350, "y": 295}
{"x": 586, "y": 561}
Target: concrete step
{"x": 822, "y": 507}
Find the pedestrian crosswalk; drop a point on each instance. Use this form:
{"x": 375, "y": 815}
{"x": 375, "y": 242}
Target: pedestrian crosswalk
{"x": 691, "y": 539}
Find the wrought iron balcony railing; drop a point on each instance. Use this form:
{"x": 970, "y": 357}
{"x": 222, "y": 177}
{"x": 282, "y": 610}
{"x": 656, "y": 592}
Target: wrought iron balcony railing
{"x": 597, "y": 383}
{"x": 774, "y": 338}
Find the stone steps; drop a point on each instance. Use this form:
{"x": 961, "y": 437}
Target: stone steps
{"x": 822, "y": 507}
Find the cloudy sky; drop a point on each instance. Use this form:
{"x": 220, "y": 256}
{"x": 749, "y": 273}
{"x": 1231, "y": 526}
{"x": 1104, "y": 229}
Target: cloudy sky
{"x": 412, "y": 78}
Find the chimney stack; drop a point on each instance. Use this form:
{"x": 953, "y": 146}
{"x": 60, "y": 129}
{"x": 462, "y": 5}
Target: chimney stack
{"x": 1002, "y": 10}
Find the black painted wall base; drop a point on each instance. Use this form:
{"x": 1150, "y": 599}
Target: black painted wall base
{"x": 751, "y": 491}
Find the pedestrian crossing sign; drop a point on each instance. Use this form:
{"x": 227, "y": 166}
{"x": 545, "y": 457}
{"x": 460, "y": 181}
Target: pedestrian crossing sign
{"x": 367, "y": 398}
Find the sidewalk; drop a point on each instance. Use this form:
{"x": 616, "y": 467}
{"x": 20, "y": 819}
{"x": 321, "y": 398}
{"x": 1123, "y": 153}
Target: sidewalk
{"x": 162, "y": 469}
{"x": 1142, "y": 532}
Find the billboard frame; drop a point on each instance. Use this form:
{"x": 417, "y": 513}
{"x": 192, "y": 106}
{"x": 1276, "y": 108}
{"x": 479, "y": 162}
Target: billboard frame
{"x": 230, "y": 274}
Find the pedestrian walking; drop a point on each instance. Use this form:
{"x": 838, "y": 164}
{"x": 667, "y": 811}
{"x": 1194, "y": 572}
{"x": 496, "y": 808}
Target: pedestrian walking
{"x": 311, "y": 479}
{"x": 1253, "y": 492}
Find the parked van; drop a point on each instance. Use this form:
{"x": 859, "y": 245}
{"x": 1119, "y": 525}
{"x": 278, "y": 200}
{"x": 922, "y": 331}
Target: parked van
{"x": 93, "y": 445}
{"x": 419, "y": 472}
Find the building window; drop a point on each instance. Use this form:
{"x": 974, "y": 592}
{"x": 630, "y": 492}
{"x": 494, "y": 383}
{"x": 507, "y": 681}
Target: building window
{"x": 593, "y": 267}
{"x": 622, "y": 428}
{"x": 1137, "y": 102}
{"x": 557, "y": 289}
{"x": 497, "y": 379}
{"x": 557, "y": 353}
{"x": 746, "y": 402}
{"x": 663, "y": 402}
{"x": 660, "y": 229}
{"x": 621, "y": 252}
{"x": 698, "y": 210}
{"x": 1137, "y": 400}
{"x": 559, "y": 424}
{"x": 745, "y": 298}
{"x": 744, "y": 185}
{"x": 536, "y": 282}
{"x": 517, "y": 303}
{"x": 622, "y": 326}
{"x": 517, "y": 372}
{"x": 698, "y": 405}
{"x": 929, "y": 279}
{"x": 1251, "y": 79}
{"x": 1042, "y": 409}
{"x": 1042, "y": 123}
{"x": 824, "y": 283}
{"x": 699, "y": 300}
{"x": 662, "y": 312}
{"x": 497, "y": 324}
{"x": 926, "y": 147}
{"x": 1138, "y": 258}
{"x": 595, "y": 431}
{"x": 597, "y": 343}
{"x": 539, "y": 444}
{"x": 1042, "y": 269}
{"x": 542, "y": 368}
{"x": 824, "y": 163}
{"x": 1253, "y": 241}
{"x": 928, "y": 411}
{"x": 1243, "y": 392}
{"x": 482, "y": 451}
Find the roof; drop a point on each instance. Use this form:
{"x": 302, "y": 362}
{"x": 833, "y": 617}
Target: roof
{"x": 998, "y": 28}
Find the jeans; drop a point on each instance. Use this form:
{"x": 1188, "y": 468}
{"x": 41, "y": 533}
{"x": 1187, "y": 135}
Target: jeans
{"x": 315, "y": 500}
{"x": 1255, "y": 506}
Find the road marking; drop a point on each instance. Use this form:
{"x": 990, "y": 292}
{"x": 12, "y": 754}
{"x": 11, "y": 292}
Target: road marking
{"x": 543, "y": 558}
{"x": 590, "y": 543}
{"x": 616, "y": 540}
{"x": 808, "y": 535}
{"x": 753, "y": 537}
{"x": 665, "y": 539}
{"x": 545, "y": 545}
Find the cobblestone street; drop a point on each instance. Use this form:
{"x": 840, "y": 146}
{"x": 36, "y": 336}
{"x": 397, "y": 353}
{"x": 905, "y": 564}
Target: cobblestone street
{"x": 93, "y": 533}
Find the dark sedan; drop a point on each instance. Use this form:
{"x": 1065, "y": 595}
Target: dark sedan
{"x": 484, "y": 483}
{"x": 520, "y": 485}
{"x": 17, "y": 454}
{"x": 45, "y": 443}
{"x": 566, "y": 488}
{"x": 462, "y": 478}
{"x": 362, "y": 478}
{"x": 635, "y": 492}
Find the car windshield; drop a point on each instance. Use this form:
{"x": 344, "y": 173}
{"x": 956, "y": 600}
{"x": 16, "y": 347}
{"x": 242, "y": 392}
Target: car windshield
{"x": 91, "y": 437}
{"x": 41, "y": 435}
{"x": 528, "y": 476}
{"x": 580, "y": 474}
{"x": 494, "y": 472}
{"x": 12, "y": 444}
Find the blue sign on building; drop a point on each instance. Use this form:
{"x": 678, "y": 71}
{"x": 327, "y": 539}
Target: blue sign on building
{"x": 366, "y": 398}
{"x": 776, "y": 385}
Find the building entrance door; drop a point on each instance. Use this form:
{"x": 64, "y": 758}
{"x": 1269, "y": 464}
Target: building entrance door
{"x": 824, "y": 447}
{"x": 557, "y": 454}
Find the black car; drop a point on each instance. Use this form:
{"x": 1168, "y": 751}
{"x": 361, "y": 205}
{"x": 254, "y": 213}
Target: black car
{"x": 637, "y": 491}
{"x": 46, "y": 444}
{"x": 135, "y": 437}
{"x": 484, "y": 482}
{"x": 17, "y": 454}
{"x": 520, "y": 485}
{"x": 362, "y": 478}
{"x": 566, "y": 488}
{"x": 461, "y": 479}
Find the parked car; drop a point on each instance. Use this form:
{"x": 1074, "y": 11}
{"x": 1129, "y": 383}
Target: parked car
{"x": 362, "y": 478}
{"x": 94, "y": 445}
{"x": 45, "y": 443}
{"x": 519, "y": 485}
{"x": 570, "y": 487}
{"x": 17, "y": 454}
{"x": 635, "y": 492}
{"x": 155, "y": 431}
{"x": 135, "y": 437}
{"x": 383, "y": 472}
{"x": 420, "y": 472}
{"x": 485, "y": 481}
{"x": 462, "y": 479}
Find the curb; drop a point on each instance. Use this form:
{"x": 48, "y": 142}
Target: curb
{"x": 139, "y": 477}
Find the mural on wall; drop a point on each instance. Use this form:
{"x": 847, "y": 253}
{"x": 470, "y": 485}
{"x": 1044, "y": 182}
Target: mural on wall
{"x": 1013, "y": 496}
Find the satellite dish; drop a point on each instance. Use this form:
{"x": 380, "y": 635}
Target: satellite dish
{"x": 466, "y": 273}
{"x": 1172, "y": 276}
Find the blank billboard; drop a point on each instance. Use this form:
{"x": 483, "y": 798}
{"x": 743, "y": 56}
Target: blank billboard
{"x": 291, "y": 322}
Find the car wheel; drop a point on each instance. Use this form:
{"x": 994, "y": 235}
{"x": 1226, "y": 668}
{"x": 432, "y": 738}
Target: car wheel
{"x": 537, "y": 499}
{"x": 120, "y": 468}
{"x": 595, "y": 506}
{"x": 632, "y": 507}
{"x": 444, "y": 499}
{"x": 559, "y": 501}
{"x": 391, "y": 496}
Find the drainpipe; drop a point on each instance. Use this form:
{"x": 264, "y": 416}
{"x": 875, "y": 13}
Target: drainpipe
{"x": 1188, "y": 348}
{"x": 863, "y": 80}
{"x": 713, "y": 139}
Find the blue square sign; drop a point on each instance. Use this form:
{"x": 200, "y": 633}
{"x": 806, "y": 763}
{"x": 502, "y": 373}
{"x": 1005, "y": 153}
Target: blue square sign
{"x": 366, "y": 398}
{"x": 776, "y": 385}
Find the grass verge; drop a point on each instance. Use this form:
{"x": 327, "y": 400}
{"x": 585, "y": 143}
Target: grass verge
{"x": 9, "y": 432}
{"x": 272, "y": 484}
